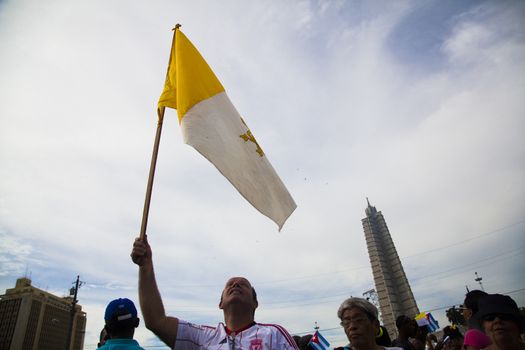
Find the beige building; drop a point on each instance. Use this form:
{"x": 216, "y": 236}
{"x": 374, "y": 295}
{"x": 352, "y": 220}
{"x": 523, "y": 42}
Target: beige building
{"x": 33, "y": 319}
{"x": 393, "y": 290}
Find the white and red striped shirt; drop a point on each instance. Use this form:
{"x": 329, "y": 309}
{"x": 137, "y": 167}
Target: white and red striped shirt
{"x": 258, "y": 336}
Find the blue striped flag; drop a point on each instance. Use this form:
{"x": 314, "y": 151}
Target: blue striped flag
{"x": 433, "y": 325}
{"x": 319, "y": 342}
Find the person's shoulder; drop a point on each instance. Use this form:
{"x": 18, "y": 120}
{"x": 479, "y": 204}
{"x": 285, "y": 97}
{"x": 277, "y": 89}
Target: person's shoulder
{"x": 401, "y": 344}
{"x": 200, "y": 326}
{"x": 474, "y": 331}
{"x": 277, "y": 330}
{"x": 273, "y": 326}
{"x": 192, "y": 329}
{"x": 121, "y": 343}
{"x": 476, "y": 338}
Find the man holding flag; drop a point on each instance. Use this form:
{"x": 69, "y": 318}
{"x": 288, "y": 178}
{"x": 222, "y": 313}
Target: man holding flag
{"x": 211, "y": 124}
{"x": 238, "y": 303}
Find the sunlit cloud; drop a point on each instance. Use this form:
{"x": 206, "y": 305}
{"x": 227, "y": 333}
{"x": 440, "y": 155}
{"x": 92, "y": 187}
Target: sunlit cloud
{"x": 417, "y": 106}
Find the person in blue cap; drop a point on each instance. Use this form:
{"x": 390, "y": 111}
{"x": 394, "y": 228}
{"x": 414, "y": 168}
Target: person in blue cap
{"x": 121, "y": 321}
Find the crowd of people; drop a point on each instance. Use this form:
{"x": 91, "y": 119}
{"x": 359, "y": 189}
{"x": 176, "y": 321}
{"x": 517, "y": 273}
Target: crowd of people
{"x": 493, "y": 320}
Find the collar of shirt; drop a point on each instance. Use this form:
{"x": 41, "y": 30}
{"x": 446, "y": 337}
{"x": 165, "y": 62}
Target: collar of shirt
{"x": 121, "y": 341}
{"x": 233, "y": 333}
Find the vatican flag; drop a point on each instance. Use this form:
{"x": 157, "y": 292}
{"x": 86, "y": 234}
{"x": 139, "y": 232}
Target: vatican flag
{"x": 211, "y": 124}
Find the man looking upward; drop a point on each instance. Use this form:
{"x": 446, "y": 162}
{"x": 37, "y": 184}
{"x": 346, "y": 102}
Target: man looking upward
{"x": 238, "y": 303}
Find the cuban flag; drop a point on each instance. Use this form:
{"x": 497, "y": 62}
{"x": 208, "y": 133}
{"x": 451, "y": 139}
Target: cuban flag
{"x": 319, "y": 342}
{"x": 426, "y": 319}
{"x": 433, "y": 325}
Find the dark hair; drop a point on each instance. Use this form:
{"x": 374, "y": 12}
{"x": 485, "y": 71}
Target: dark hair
{"x": 304, "y": 342}
{"x": 384, "y": 338}
{"x": 296, "y": 339}
{"x": 103, "y": 337}
{"x": 421, "y": 333}
{"x": 472, "y": 299}
{"x": 452, "y": 332}
{"x": 401, "y": 320}
{"x": 113, "y": 327}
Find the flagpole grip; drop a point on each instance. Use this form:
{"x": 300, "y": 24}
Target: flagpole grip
{"x": 153, "y": 164}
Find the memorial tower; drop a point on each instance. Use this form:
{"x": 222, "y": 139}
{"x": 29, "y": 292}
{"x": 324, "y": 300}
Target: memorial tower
{"x": 391, "y": 284}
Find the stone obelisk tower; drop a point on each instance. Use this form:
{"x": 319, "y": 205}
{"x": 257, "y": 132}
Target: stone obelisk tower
{"x": 393, "y": 290}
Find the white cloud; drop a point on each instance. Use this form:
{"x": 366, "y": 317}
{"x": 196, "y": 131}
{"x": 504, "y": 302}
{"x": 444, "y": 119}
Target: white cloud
{"x": 440, "y": 152}
{"x": 14, "y": 255}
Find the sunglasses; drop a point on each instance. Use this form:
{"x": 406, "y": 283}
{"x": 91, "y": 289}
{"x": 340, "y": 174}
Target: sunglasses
{"x": 492, "y": 317}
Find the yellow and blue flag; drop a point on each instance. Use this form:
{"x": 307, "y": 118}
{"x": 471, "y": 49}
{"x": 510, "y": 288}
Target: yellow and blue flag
{"x": 426, "y": 319}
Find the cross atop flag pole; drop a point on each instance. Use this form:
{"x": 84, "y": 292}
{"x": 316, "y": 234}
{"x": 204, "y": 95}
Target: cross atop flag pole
{"x": 211, "y": 124}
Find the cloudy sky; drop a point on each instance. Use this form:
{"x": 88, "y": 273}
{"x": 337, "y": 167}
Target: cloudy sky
{"x": 417, "y": 105}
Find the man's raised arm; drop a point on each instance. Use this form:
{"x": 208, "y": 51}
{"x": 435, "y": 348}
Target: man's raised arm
{"x": 155, "y": 318}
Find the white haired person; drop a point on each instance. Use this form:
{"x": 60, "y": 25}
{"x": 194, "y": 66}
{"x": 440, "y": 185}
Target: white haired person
{"x": 360, "y": 323}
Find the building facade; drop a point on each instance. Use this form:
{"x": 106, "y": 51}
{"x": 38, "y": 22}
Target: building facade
{"x": 33, "y": 319}
{"x": 394, "y": 294}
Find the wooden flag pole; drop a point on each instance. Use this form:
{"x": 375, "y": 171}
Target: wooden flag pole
{"x": 153, "y": 164}
{"x": 160, "y": 112}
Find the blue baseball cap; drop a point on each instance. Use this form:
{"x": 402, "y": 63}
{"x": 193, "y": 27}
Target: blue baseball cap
{"x": 119, "y": 310}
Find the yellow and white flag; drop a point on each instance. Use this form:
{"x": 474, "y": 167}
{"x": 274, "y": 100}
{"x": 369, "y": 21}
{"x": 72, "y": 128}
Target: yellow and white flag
{"x": 211, "y": 124}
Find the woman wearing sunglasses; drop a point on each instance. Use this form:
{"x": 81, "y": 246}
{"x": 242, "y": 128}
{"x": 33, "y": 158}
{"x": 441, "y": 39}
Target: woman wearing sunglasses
{"x": 499, "y": 317}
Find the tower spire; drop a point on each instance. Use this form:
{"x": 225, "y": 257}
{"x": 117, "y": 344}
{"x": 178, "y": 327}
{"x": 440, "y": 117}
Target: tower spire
{"x": 370, "y": 210}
